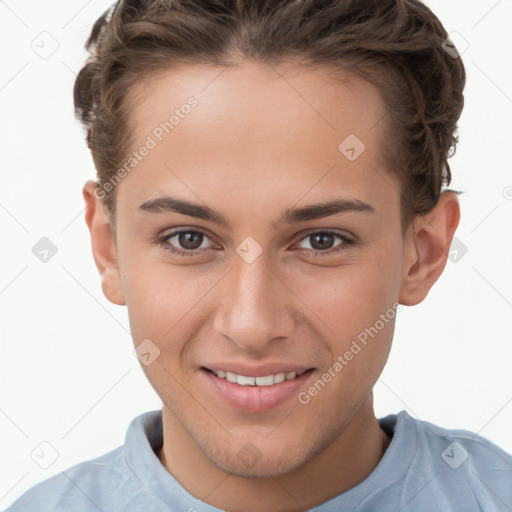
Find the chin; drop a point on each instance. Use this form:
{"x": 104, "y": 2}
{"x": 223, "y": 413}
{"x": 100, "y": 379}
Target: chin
{"x": 251, "y": 462}
{"x": 265, "y": 467}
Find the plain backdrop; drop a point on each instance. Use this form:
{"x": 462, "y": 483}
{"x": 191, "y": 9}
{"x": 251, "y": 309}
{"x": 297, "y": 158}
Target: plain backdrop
{"x": 68, "y": 376}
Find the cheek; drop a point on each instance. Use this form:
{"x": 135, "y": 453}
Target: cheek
{"x": 349, "y": 298}
{"x": 156, "y": 298}
{"x": 165, "y": 302}
{"x": 355, "y": 306}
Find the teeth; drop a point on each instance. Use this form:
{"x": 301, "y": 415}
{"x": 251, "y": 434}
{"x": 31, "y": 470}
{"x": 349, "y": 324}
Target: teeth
{"x": 230, "y": 377}
{"x": 279, "y": 377}
{"x": 265, "y": 381}
{"x": 243, "y": 380}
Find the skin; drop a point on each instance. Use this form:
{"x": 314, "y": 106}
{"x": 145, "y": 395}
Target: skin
{"x": 261, "y": 140}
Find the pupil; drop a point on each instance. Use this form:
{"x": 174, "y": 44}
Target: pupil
{"x": 187, "y": 240}
{"x": 324, "y": 241}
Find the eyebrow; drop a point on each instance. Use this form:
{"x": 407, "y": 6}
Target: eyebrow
{"x": 291, "y": 216}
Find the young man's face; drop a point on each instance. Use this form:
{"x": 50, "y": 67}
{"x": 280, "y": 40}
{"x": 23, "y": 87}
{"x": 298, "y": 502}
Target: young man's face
{"x": 269, "y": 292}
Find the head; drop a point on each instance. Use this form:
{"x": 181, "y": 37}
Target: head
{"x": 271, "y": 185}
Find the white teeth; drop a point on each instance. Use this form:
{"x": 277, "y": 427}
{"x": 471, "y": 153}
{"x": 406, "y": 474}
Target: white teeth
{"x": 265, "y": 381}
{"x": 243, "y": 380}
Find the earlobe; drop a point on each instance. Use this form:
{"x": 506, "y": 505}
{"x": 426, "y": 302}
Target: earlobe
{"x": 103, "y": 246}
{"x": 426, "y": 249}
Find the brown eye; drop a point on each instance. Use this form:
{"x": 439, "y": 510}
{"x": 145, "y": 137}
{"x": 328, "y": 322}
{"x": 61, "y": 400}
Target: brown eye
{"x": 324, "y": 242}
{"x": 185, "y": 242}
{"x": 321, "y": 241}
{"x": 190, "y": 240}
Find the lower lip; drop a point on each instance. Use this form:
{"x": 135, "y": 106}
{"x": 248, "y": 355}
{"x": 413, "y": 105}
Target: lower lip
{"x": 255, "y": 398}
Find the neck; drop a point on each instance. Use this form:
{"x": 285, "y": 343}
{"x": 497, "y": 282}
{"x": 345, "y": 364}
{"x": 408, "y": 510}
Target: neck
{"x": 340, "y": 466}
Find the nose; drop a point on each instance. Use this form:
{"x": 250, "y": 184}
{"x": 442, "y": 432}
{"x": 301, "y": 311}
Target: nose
{"x": 254, "y": 309}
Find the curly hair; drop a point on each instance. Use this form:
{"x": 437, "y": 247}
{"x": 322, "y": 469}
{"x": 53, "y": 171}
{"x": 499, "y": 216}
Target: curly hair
{"x": 399, "y": 46}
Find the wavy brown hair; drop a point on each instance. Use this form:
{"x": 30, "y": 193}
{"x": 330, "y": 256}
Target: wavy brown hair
{"x": 397, "y": 45}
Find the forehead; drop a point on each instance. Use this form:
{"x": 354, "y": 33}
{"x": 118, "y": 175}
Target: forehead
{"x": 258, "y": 127}
{"x": 254, "y": 95}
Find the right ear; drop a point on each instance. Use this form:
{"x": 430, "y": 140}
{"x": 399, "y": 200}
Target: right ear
{"x": 103, "y": 246}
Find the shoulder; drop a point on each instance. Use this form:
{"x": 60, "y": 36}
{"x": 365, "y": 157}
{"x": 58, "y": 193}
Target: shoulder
{"x": 109, "y": 482}
{"x": 78, "y": 488}
{"x": 462, "y": 464}
{"x": 456, "y": 446}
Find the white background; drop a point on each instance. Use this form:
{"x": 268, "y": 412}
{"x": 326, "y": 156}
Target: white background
{"x": 67, "y": 372}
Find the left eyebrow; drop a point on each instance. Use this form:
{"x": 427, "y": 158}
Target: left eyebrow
{"x": 326, "y": 209}
{"x": 290, "y": 216}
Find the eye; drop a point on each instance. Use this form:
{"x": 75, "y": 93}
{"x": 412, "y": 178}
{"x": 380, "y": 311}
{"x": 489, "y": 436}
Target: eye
{"x": 323, "y": 242}
{"x": 189, "y": 242}
{"x": 185, "y": 242}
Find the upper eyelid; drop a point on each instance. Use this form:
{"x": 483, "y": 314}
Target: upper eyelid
{"x": 173, "y": 233}
{"x": 330, "y": 231}
{"x": 308, "y": 233}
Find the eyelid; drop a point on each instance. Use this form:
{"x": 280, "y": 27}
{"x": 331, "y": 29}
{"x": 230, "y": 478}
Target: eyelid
{"x": 166, "y": 236}
{"x": 347, "y": 241}
{"x": 331, "y": 231}
{"x": 169, "y": 232}
{"x": 303, "y": 235}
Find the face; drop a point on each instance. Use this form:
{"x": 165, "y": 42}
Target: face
{"x": 229, "y": 264}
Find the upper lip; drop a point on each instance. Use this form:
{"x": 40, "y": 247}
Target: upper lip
{"x": 258, "y": 371}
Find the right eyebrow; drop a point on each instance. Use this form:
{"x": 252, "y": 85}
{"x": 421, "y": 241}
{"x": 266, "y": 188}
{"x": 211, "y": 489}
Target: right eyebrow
{"x": 171, "y": 204}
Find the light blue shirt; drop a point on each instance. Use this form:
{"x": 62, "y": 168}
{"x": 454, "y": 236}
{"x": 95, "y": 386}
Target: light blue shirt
{"x": 425, "y": 468}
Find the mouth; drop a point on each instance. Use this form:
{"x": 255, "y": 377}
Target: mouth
{"x": 259, "y": 392}
{"x": 246, "y": 380}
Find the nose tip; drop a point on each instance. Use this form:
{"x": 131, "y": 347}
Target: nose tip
{"x": 253, "y": 311}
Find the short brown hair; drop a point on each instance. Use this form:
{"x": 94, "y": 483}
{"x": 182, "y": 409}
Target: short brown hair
{"x": 397, "y": 45}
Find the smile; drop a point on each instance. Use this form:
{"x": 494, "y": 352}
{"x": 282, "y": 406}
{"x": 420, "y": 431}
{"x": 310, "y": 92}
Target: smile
{"x": 245, "y": 380}
{"x": 255, "y": 393}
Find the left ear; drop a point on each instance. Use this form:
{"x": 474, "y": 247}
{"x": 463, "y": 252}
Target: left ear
{"x": 426, "y": 248}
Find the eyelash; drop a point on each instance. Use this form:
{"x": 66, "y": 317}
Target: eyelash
{"x": 163, "y": 241}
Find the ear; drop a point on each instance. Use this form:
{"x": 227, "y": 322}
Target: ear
{"x": 103, "y": 245}
{"x": 426, "y": 249}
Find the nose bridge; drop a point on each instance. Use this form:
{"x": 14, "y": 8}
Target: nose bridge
{"x": 252, "y": 311}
